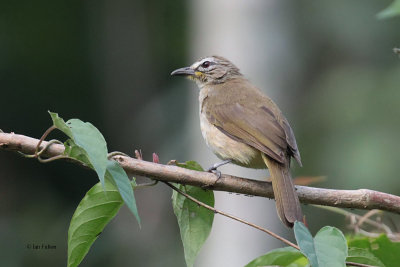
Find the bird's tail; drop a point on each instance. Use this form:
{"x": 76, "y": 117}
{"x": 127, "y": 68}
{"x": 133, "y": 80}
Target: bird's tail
{"x": 287, "y": 201}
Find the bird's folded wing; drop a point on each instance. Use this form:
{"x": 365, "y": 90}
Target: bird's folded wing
{"x": 256, "y": 126}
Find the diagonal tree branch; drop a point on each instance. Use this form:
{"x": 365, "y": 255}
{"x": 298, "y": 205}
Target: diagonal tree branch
{"x": 358, "y": 199}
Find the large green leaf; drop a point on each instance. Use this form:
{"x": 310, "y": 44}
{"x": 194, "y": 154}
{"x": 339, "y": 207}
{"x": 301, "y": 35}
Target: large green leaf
{"x": 386, "y": 251}
{"x": 93, "y": 213}
{"x": 331, "y": 246}
{"x": 306, "y": 243}
{"x": 124, "y": 185}
{"x": 391, "y": 11}
{"x": 286, "y": 257}
{"x": 194, "y": 221}
{"x": 92, "y": 141}
{"x": 363, "y": 255}
{"x": 89, "y": 138}
{"x": 328, "y": 248}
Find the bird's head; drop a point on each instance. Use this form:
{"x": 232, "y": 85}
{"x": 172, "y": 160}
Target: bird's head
{"x": 209, "y": 70}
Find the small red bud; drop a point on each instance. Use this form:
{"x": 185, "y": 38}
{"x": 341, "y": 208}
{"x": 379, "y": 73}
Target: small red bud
{"x": 155, "y": 158}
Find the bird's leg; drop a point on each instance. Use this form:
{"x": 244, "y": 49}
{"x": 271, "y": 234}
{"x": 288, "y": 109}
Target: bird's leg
{"x": 214, "y": 168}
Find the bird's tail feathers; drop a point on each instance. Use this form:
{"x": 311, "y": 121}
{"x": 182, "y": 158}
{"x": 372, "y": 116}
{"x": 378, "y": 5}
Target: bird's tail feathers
{"x": 287, "y": 201}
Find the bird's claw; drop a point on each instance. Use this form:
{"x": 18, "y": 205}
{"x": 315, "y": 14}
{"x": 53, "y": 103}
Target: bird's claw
{"x": 215, "y": 171}
{"x": 214, "y": 168}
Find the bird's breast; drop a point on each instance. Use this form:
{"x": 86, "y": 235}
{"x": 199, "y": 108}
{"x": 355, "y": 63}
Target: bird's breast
{"x": 225, "y": 147}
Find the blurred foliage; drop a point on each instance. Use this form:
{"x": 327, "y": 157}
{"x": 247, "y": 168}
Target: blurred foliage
{"x": 355, "y": 135}
{"x": 381, "y": 247}
{"x": 391, "y": 11}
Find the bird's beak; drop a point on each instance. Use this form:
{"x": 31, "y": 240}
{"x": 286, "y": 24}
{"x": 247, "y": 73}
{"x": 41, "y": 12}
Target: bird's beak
{"x": 186, "y": 71}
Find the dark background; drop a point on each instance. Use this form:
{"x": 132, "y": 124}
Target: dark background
{"x": 108, "y": 62}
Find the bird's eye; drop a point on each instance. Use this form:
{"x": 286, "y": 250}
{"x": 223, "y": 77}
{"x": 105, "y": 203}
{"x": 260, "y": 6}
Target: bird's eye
{"x": 206, "y": 64}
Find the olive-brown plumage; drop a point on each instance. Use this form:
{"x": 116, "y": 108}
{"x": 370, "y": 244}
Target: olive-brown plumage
{"x": 240, "y": 123}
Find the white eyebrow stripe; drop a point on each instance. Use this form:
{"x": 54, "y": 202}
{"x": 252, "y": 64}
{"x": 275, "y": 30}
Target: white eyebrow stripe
{"x": 198, "y": 63}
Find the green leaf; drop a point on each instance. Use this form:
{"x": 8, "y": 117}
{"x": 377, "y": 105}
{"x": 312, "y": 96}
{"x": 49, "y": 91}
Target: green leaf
{"x": 331, "y": 246}
{"x": 117, "y": 173}
{"x": 358, "y": 242}
{"x": 191, "y": 165}
{"x": 60, "y": 124}
{"x": 306, "y": 243}
{"x": 87, "y": 137}
{"x": 328, "y": 248}
{"x": 391, "y": 11}
{"x": 76, "y": 152}
{"x": 93, "y": 213}
{"x": 287, "y": 257}
{"x": 194, "y": 221}
{"x": 386, "y": 251}
{"x": 363, "y": 255}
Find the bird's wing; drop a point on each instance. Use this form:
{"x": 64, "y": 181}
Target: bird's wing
{"x": 257, "y": 126}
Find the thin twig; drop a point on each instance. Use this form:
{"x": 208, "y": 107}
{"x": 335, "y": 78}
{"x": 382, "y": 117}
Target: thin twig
{"x": 46, "y": 133}
{"x": 287, "y": 242}
{"x": 346, "y": 213}
{"x": 350, "y": 263}
{"x": 56, "y": 158}
{"x": 48, "y": 144}
{"x": 367, "y": 216}
{"x": 149, "y": 184}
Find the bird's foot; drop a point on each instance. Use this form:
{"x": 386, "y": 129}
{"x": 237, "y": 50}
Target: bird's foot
{"x": 216, "y": 172}
{"x": 214, "y": 168}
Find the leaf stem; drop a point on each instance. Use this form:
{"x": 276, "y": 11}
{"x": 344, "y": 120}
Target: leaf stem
{"x": 46, "y": 133}
{"x": 361, "y": 219}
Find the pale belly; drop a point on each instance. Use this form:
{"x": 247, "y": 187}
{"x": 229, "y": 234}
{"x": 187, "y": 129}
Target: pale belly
{"x": 227, "y": 148}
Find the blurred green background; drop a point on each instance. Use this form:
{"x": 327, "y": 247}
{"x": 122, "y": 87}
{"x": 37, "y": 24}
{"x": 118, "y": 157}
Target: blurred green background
{"x": 330, "y": 64}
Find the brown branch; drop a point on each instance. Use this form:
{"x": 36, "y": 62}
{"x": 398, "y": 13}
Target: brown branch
{"x": 356, "y": 199}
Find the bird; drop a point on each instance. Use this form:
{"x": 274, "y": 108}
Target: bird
{"x": 245, "y": 127}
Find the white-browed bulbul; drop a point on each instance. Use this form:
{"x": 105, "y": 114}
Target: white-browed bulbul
{"x": 243, "y": 126}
